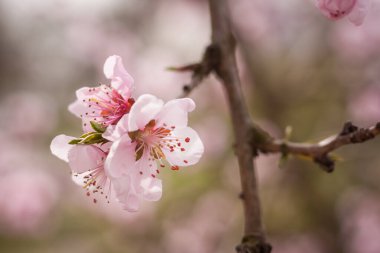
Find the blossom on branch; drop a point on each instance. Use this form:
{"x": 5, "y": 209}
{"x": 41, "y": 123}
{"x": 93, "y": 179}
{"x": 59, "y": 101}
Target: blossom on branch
{"x": 126, "y": 143}
{"x": 152, "y": 136}
{"x": 355, "y": 10}
{"x": 105, "y": 104}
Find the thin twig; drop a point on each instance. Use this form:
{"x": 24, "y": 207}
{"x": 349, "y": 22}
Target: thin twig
{"x": 320, "y": 152}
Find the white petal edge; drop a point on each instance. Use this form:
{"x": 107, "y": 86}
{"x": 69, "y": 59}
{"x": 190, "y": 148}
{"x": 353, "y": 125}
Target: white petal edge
{"x": 193, "y": 149}
{"x": 60, "y": 146}
{"x": 175, "y": 112}
{"x": 143, "y": 110}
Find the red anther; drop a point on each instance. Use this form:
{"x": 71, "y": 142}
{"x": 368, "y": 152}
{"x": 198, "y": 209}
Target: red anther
{"x": 175, "y": 167}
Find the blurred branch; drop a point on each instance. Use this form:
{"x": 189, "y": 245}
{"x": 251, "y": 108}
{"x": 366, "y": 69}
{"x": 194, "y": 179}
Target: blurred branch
{"x": 320, "y": 152}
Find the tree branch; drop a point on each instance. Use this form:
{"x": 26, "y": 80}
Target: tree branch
{"x": 320, "y": 152}
{"x": 219, "y": 58}
{"x": 200, "y": 70}
{"x": 226, "y": 69}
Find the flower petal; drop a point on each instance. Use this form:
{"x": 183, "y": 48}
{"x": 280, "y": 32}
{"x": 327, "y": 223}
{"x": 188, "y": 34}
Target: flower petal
{"x": 359, "y": 12}
{"x": 144, "y": 110}
{"x": 131, "y": 203}
{"x": 335, "y": 9}
{"x": 83, "y": 158}
{"x": 121, "y": 157}
{"x": 114, "y": 132}
{"x": 190, "y": 151}
{"x": 60, "y": 146}
{"x": 81, "y": 108}
{"x": 121, "y": 80}
{"x": 174, "y": 112}
{"x": 126, "y": 194}
{"x": 152, "y": 188}
{"x": 77, "y": 108}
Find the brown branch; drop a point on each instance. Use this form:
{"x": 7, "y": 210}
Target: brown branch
{"x": 199, "y": 70}
{"x": 320, "y": 152}
{"x": 219, "y": 58}
{"x": 226, "y": 69}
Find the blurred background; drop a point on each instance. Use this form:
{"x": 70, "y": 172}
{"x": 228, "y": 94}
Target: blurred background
{"x": 298, "y": 69}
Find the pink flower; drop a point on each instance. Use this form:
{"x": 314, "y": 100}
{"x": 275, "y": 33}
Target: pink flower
{"x": 152, "y": 134}
{"x": 356, "y": 10}
{"x": 86, "y": 163}
{"x": 105, "y": 104}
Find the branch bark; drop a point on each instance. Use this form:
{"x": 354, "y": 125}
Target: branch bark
{"x": 320, "y": 152}
{"x": 219, "y": 58}
{"x": 226, "y": 69}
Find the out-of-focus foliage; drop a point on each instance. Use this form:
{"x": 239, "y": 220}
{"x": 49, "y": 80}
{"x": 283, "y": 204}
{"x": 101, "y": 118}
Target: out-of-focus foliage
{"x": 298, "y": 69}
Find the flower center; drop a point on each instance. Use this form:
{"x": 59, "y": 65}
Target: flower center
{"x": 155, "y": 142}
{"x": 95, "y": 181}
{"x": 107, "y": 106}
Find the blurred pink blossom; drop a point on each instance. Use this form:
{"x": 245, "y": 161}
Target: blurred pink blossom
{"x": 356, "y": 10}
{"x": 271, "y": 25}
{"x": 26, "y": 201}
{"x": 365, "y": 105}
{"x": 356, "y": 45}
{"x": 359, "y": 211}
{"x": 298, "y": 244}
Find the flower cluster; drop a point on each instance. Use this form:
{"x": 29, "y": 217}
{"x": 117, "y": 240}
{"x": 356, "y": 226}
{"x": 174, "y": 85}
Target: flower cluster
{"x": 126, "y": 142}
{"x": 356, "y": 10}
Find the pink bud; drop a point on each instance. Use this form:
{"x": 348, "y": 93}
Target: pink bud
{"x": 356, "y": 10}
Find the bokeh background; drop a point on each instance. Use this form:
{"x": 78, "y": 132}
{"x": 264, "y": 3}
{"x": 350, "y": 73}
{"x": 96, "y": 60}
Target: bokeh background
{"x": 299, "y": 70}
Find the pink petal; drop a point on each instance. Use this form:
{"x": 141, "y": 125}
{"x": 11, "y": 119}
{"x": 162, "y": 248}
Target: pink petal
{"x": 152, "y": 188}
{"x": 144, "y": 110}
{"x": 192, "y": 148}
{"x": 77, "y": 108}
{"x": 174, "y": 112}
{"x": 114, "y": 132}
{"x": 335, "y": 9}
{"x": 81, "y": 109}
{"x": 131, "y": 203}
{"x": 126, "y": 194}
{"x": 359, "y": 12}
{"x": 60, "y": 146}
{"x": 121, "y": 158}
{"x": 121, "y": 80}
{"x": 83, "y": 158}
{"x": 146, "y": 167}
